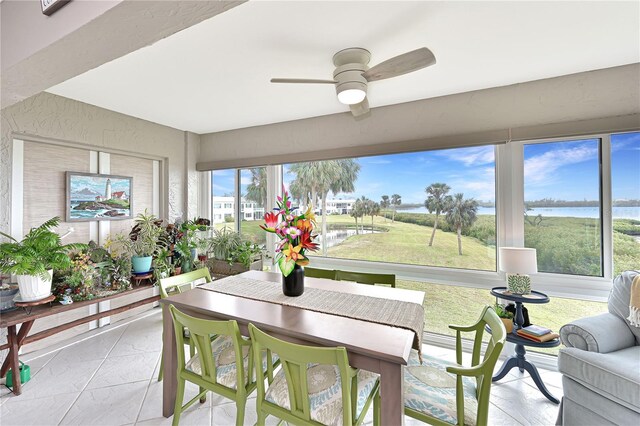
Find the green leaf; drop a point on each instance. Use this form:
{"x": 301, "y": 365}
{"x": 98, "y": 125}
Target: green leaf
{"x": 286, "y": 266}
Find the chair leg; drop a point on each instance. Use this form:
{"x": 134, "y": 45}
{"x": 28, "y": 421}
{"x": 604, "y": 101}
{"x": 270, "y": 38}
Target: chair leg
{"x": 203, "y": 398}
{"x": 179, "y": 397}
{"x": 161, "y": 372}
{"x": 240, "y": 408}
{"x": 376, "y": 409}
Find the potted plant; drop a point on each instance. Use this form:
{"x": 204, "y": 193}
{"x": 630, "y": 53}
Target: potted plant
{"x": 232, "y": 254}
{"x": 505, "y": 316}
{"x": 34, "y": 258}
{"x": 184, "y": 259}
{"x": 142, "y": 242}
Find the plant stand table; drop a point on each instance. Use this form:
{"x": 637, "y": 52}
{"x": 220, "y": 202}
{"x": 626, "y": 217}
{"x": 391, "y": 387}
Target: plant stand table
{"x": 519, "y": 360}
{"x": 15, "y": 339}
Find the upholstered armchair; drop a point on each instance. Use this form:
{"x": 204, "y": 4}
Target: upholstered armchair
{"x": 601, "y": 364}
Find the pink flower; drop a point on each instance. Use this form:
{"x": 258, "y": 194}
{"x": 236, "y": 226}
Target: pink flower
{"x": 293, "y": 231}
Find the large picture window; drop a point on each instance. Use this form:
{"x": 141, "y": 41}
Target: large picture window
{"x": 625, "y": 194}
{"x": 434, "y": 208}
{"x": 562, "y": 218}
{"x": 253, "y": 189}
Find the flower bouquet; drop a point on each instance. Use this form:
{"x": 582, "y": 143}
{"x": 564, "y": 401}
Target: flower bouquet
{"x": 295, "y": 232}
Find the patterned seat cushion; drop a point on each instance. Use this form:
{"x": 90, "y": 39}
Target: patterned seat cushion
{"x": 224, "y": 356}
{"x": 325, "y": 392}
{"x": 430, "y": 390}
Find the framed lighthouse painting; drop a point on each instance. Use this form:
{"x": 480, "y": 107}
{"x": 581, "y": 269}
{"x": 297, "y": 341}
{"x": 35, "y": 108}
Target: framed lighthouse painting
{"x": 93, "y": 196}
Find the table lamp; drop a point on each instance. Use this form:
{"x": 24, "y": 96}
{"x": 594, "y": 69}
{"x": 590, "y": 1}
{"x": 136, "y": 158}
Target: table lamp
{"x": 518, "y": 262}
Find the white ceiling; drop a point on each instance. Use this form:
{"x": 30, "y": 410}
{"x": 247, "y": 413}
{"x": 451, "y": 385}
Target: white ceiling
{"x": 215, "y": 75}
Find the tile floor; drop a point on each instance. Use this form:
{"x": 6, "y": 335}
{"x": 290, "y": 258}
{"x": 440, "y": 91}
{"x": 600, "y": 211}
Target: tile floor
{"x": 109, "y": 378}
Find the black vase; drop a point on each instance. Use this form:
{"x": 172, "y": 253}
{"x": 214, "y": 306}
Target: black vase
{"x": 293, "y": 284}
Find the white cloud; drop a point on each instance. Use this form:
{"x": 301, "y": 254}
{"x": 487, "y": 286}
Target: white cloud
{"x": 244, "y": 180}
{"x": 475, "y": 156}
{"x": 378, "y": 161}
{"x": 538, "y": 169}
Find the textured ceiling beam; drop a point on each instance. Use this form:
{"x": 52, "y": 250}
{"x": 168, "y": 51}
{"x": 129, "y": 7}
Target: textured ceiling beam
{"x": 128, "y": 26}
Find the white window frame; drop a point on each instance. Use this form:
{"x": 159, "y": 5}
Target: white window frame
{"x": 509, "y": 172}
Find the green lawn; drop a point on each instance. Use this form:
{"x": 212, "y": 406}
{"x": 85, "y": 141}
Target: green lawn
{"x": 409, "y": 243}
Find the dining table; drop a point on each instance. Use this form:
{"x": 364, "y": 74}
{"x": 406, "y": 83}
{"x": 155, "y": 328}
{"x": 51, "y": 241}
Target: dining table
{"x": 372, "y": 346}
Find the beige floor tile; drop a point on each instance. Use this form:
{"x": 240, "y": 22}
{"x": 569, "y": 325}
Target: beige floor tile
{"x": 124, "y": 369}
{"x": 42, "y": 411}
{"x": 96, "y": 347}
{"x": 152, "y": 405}
{"x": 524, "y": 403}
{"x": 199, "y": 417}
{"x": 115, "y": 405}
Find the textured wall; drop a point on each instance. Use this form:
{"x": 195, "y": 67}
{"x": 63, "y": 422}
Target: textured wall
{"x": 52, "y": 116}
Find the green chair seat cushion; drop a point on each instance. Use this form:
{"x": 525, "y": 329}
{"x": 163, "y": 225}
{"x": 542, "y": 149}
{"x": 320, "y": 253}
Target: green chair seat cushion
{"x": 225, "y": 361}
{"x": 325, "y": 392}
{"x": 429, "y": 389}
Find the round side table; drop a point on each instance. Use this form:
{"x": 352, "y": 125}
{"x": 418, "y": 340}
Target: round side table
{"x": 519, "y": 360}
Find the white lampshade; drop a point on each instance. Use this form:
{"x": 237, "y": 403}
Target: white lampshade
{"x": 518, "y": 260}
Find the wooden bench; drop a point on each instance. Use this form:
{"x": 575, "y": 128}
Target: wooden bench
{"x": 11, "y": 319}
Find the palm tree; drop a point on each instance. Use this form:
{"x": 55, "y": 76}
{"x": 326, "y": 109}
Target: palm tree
{"x": 436, "y": 202}
{"x": 384, "y": 205}
{"x": 257, "y": 189}
{"x": 365, "y": 207}
{"x": 461, "y": 214}
{"x": 356, "y": 212}
{"x": 320, "y": 177}
{"x": 374, "y": 209}
{"x": 396, "y": 200}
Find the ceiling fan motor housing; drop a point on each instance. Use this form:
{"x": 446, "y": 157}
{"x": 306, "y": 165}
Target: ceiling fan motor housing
{"x": 350, "y": 64}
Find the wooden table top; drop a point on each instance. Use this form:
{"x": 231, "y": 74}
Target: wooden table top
{"x": 370, "y": 339}
{"x": 19, "y": 315}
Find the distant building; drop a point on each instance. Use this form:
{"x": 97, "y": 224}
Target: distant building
{"x": 223, "y": 208}
{"x": 339, "y": 206}
{"x": 99, "y": 198}
{"x": 119, "y": 195}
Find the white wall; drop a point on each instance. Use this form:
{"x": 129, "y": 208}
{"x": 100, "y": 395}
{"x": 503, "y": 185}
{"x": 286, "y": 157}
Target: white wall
{"x": 531, "y": 109}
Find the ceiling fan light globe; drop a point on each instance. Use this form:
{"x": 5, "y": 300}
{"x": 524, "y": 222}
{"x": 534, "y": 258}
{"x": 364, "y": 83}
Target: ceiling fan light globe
{"x": 351, "y": 96}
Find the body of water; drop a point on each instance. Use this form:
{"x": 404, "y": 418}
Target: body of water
{"x": 336, "y": 236}
{"x": 590, "y": 212}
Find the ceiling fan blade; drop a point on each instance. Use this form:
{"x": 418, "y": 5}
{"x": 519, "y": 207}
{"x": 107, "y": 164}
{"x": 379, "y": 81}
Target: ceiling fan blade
{"x": 301, "y": 80}
{"x": 360, "y": 109}
{"x": 401, "y": 64}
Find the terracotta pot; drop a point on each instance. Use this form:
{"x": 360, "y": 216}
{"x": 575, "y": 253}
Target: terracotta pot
{"x": 508, "y": 324}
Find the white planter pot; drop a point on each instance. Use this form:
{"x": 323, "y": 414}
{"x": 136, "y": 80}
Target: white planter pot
{"x": 33, "y": 287}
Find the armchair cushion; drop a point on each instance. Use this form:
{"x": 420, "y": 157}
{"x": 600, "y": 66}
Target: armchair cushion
{"x": 614, "y": 375}
{"x": 619, "y": 299}
{"x": 601, "y": 333}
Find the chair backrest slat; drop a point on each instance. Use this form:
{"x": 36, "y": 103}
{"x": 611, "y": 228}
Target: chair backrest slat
{"x": 329, "y": 274}
{"x": 295, "y": 360}
{"x": 366, "y": 278}
{"x": 176, "y": 283}
{"x": 200, "y": 331}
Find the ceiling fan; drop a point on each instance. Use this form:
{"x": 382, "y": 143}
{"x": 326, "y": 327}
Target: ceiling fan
{"x": 352, "y": 74}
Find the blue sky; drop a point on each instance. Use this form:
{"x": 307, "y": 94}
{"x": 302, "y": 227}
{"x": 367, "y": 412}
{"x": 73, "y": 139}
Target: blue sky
{"x": 562, "y": 170}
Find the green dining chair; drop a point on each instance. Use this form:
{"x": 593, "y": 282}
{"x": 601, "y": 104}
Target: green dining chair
{"x": 224, "y": 366}
{"x": 315, "y": 386}
{"x": 329, "y": 274}
{"x": 444, "y": 394}
{"x": 178, "y": 284}
{"x": 366, "y": 278}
